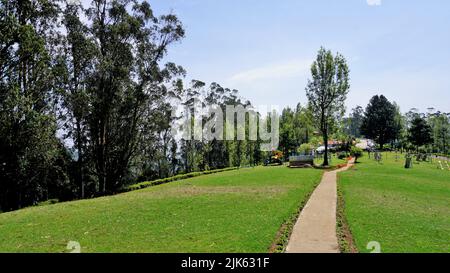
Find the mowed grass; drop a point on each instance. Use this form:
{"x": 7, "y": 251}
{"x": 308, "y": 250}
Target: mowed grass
{"x": 405, "y": 210}
{"x": 235, "y": 211}
{"x": 334, "y": 161}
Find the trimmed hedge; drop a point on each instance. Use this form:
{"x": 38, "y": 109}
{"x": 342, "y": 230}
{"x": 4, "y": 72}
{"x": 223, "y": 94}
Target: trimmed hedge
{"x": 147, "y": 184}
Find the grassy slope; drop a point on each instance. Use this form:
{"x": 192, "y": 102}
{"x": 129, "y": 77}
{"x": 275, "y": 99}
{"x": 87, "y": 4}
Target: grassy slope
{"x": 236, "y": 211}
{"x": 404, "y": 210}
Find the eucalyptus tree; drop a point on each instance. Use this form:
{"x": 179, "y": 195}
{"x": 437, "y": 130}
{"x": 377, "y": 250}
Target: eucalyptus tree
{"x": 400, "y": 121}
{"x": 191, "y": 152}
{"x": 440, "y": 123}
{"x": 420, "y": 132}
{"x": 29, "y": 149}
{"x": 353, "y": 123}
{"x": 129, "y": 82}
{"x": 214, "y": 149}
{"x": 303, "y": 125}
{"x": 75, "y": 66}
{"x": 327, "y": 91}
{"x": 288, "y": 141}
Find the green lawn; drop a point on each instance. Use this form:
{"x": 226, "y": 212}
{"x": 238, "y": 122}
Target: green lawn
{"x": 334, "y": 161}
{"x": 405, "y": 210}
{"x": 235, "y": 211}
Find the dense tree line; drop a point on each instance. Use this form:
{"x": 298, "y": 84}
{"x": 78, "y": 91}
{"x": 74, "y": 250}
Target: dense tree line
{"x": 86, "y": 104}
{"x": 296, "y": 128}
{"x": 383, "y": 122}
{"x": 33, "y": 161}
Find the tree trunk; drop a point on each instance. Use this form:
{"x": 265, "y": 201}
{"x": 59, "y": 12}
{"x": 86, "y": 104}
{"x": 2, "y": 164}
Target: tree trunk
{"x": 325, "y": 140}
{"x": 80, "y": 159}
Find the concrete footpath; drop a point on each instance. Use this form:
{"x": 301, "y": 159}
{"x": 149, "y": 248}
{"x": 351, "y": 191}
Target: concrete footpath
{"x": 315, "y": 230}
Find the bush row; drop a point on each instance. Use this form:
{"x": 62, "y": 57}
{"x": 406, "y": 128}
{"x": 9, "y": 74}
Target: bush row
{"x": 147, "y": 184}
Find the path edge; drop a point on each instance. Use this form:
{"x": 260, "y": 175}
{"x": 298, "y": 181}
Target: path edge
{"x": 344, "y": 235}
{"x": 284, "y": 233}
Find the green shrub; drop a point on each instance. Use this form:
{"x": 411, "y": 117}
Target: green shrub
{"x": 48, "y": 202}
{"x": 343, "y": 155}
{"x": 178, "y": 177}
{"x": 356, "y": 153}
{"x": 423, "y": 150}
{"x": 305, "y": 149}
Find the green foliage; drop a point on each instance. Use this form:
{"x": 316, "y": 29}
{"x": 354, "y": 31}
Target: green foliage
{"x": 200, "y": 155}
{"x": 352, "y": 125}
{"x": 129, "y": 86}
{"x": 356, "y": 153}
{"x": 379, "y": 121}
{"x": 343, "y": 155}
{"x": 305, "y": 149}
{"x": 147, "y": 184}
{"x": 420, "y": 133}
{"x": 100, "y": 83}
{"x": 400, "y": 121}
{"x": 33, "y": 164}
{"x": 440, "y": 124}
{"x": 287, "y": 131}
{"x": 327, "y": 91}
{"x": 295, "y": 128}
{"x": 422, "y": 150}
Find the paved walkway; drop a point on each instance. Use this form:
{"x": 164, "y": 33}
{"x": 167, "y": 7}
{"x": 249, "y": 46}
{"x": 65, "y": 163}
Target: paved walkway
{"x": 315, "y": 230}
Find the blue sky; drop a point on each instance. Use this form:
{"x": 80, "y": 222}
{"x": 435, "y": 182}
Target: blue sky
{"x": 399, "y": 48}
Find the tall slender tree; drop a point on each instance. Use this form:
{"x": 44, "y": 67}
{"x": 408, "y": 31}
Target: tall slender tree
{"x": 28, "y": 146}
{"x": 353, "y": 123}
{"x": 75, "y": 64}
{"x": 128, "y": 83}
{"x": 327, "y": 91}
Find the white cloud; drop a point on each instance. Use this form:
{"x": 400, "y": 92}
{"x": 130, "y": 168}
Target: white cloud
{"x": 275, "y": 71}
{"x": 374, "y": 2}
